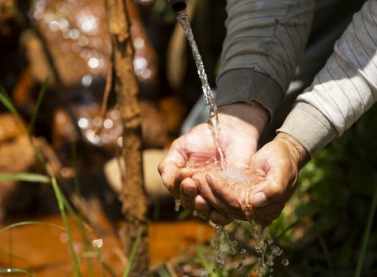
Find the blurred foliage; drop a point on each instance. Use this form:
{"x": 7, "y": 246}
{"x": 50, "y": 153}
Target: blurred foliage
{"x": 331, "y": 207}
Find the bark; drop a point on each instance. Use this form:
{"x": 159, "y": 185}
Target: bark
{"x": 124, "y": 83}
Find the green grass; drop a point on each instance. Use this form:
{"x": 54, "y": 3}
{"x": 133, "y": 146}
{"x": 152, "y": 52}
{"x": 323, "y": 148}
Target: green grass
{"x": 133, "y": 253}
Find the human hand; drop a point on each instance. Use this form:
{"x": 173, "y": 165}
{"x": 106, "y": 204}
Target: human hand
{"x": 264, "y": 188}
{"x": 241, "y": 125}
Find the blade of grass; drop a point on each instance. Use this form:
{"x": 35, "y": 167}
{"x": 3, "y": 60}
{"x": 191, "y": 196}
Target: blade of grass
{"x": 163, "y": 272}
{"x": 81, "y": 228}
{"x": 368, "y": 227}
{"x": 7, "y": 102}
{"x": 41, "y": 95}
{"x": 23, "y": 223}
{"x": 203, "y": 260}
{"x": 28, "y": 177}
{"x": 78, "y": 193}
{"x": 182, "y": 215}
{"x": 60, "y": 200}
{"x": 289, "y": 227}
{"x": 15, "y": 270}
{"x": 156, "y": 211}
{"x": 326, "y": 252}
{"x": 133, "y": 253}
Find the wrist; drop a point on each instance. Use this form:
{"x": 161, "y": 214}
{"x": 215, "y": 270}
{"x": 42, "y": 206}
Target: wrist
{"x": 253, "y": 114}
{"x": 298, "y": 152}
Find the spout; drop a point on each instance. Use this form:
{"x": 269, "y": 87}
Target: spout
{"x": 178, "y": 5}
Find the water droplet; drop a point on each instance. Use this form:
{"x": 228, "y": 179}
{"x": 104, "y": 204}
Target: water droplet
{"x": 83, "y": 41}
{"x": 138, "y": 42}
{"x": 187, "y": 268}
{"x": 83, "y": 122}
{"x": 177, "y": 205}
{"x": 194, "y": 213}
{"x": 86, "y": 80}
{"x": 270, "y": 263}
{"x": 263, "y": 266}
{"x": 63, "y": 24}
{"x": 97, "y": 243}
{"x": 108, "y": 123}
{"x": 93, "y": 62}
{"x": 92, "y": 137}
{"x": 146, "y": 73}
{"x": 285, "y": 262}
{"x": 53, "y": 26}
{"x": 115, "y": 114}
{"x": 140, "y": 64}
{"x": 259, "y": 249}
{"x": 242, "y": 251}
{"x": 73, "y": 34}
{"x": 204, "y": 273}
{"x": 88, "y": 23}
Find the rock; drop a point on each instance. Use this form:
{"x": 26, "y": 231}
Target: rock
{"x": 152, "y": 179}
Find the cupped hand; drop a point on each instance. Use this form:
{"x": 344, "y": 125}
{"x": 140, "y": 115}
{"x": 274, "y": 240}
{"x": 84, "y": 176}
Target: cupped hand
{"x": 196, "y": 152}
{"x": 273, "y": 175}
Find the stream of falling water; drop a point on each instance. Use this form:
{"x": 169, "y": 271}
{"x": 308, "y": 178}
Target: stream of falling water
{"x": 183, "y": 19}
{"x": 263, "y": 243}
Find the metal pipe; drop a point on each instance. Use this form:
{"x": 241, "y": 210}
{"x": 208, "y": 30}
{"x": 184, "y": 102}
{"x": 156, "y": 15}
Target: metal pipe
{"x": 178, "y": 5}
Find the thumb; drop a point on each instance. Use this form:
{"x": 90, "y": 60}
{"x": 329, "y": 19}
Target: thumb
{"x": 263, "y": 194}
{"x": 279, "y": 184}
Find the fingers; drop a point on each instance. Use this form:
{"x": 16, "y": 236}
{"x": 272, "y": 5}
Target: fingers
{"x": 188, "y": 192}
{"x": 271, "y": 191}
{"x": 194, "y": 202}
{"x": 219, "y": 219}
{"x": 265, "y": 215}
{"x": 266, "y": 193}
{"x": 205, "y": 211}
{"x": 203, "y": 182}
{"x": 172, "y": 177}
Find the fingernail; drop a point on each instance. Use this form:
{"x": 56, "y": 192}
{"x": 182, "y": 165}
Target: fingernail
{"x": 259, "y": 199}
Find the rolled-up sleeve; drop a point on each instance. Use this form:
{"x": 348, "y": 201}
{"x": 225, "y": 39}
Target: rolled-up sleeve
{"x": 265, "y": 40}
{"x": 343, "y": 90}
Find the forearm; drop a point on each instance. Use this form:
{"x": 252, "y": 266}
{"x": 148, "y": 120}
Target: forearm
{"x": 343, "y": 90}
{"x": 264, "y": 42}
{"x": 251, "y": 117}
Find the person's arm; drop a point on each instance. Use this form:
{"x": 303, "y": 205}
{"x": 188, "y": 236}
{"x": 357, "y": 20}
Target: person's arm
{"x": 343, "y": 90}
{"x": 265, "y": 40}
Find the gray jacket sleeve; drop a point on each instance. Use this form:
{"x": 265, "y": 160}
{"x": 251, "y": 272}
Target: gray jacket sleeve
{"x": 265, "y": 40}
{"x": 343, "y": 90}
